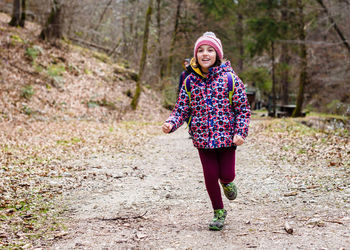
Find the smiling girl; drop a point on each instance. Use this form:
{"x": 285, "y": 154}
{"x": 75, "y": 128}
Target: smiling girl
{"x": 217, "y": 126}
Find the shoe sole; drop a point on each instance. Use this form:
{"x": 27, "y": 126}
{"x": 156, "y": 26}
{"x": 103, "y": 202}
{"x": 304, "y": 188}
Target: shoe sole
{"x": 234, "y": 196}
{"x": 215, "y": 228}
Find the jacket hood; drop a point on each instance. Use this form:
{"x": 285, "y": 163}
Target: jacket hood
{"x": 224, "y": 67}
{"x": 195, "y": 68}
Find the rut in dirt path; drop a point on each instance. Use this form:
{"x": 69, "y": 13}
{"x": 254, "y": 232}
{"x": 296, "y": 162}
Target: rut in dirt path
{"x": 155, "y": 198}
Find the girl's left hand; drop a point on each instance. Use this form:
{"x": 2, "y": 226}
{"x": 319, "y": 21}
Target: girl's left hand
{"x": 238, "y": 140}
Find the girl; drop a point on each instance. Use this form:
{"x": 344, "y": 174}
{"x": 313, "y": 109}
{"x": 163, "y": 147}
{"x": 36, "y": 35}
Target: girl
{"x": 217, "y": 127}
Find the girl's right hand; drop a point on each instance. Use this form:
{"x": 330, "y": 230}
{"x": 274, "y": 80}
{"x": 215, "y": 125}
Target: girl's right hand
{"x": 166, "y": 127}
{"x": 238, "y": 140}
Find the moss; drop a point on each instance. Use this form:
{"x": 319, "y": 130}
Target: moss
{"x": 16, "y": 39}
{"x": 128, "y": 73}
{"x": 102, "y": 57}
{"x": 101, "y": 103}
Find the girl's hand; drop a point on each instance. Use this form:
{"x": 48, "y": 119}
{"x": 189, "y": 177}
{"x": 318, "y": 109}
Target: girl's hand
{"x": 238, "y": 140}
{"x": 166, "y": 127}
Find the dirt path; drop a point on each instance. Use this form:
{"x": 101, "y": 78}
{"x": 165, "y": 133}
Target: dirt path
{"x": 156, "y": 199}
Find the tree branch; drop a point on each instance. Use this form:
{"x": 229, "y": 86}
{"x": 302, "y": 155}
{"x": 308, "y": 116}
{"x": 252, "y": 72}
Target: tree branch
{"x": 124, "y": 218}
{"x": 90, "y": 44}
{"x": 102, "y": 15}
{"x": 340, "y": 34}
{"x": 317, "y": 43}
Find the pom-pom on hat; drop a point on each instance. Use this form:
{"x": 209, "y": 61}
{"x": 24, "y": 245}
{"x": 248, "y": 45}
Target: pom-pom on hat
{"x": 209, "y": 38}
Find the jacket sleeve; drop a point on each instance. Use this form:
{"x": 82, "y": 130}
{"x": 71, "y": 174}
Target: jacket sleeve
{"x": 241, "y": 108}
{"x": 181, "y": 110}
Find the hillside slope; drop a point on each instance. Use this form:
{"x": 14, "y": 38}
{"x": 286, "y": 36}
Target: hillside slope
{"x": 58, "y": 103}
{"x": 40, "y": 81}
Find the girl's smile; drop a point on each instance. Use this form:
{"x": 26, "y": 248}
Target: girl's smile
{"x": 206, "y": 56}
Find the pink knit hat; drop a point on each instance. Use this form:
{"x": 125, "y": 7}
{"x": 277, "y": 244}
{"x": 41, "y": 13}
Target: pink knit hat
{"x": 209, "y": 38}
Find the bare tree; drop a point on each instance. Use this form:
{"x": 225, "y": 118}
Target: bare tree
{"x": 136, "y": 97}
{"x": 239, "y": 30}
{"x": 285, "y": 58}
{"x": 335, "y": 26}
{"x": 53, "y": 26}
{"x": 103, "y": 14}
{"x": 303, "y": 58}
{"x": 94, "y": 33}
{"x": 18, "y": 13}
{"x": 159, "y": 34}
{"x": 173, "y": 40}
{"x": 273, "y": 76}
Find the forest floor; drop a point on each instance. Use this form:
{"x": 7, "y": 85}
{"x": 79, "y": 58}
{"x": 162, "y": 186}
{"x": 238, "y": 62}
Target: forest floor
{"x": 154, "y": 196}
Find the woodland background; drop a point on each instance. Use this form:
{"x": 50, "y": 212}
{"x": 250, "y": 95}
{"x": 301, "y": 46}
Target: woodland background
{"x": 293, "y": 51}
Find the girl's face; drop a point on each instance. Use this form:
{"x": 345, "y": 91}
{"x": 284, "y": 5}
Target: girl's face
{"x": 206, "y": 56}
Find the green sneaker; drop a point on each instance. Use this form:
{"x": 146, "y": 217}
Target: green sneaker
{"x": 219, "y": 219}
{"x": 230, "y": 190}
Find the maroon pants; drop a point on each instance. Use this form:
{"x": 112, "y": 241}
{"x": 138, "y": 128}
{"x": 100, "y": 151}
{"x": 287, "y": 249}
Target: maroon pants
{"x": 218, "y": 165}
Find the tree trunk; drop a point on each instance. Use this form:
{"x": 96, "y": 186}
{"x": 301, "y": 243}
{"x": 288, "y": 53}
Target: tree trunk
{"x": 124, "y": 31}
{"x": 71, "y": 13}
{"x": 52, "y": 29}
{"x": 23, "y": 14}
{"x": 239, "y": 32}
{"x": 159, "y": 33}
{"x": 273, "y": 79}
{"x": 303, "y": 61}
{"x": 103, "y": 15}
{"x": 173, "y": 40}
{"x": 285, "y": 58}
{"x": 112, "y": 51}
{"x": 136, "y": 97}
{"x": 16, "y": 13}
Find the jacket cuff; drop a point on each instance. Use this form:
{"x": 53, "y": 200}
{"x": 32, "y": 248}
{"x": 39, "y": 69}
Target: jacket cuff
{"x": 174, "y": 125}
{"x": 241, "y": 133}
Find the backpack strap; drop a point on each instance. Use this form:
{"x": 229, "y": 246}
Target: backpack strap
{"x": 188, "y": 89}
{"x": 231, "y": 87}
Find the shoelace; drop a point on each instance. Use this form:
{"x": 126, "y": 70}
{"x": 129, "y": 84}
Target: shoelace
{"x": 228, "y": 187}
{"x": 218, "y": 215}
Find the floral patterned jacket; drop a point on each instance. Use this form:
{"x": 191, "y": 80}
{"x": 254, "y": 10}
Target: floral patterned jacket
{"x": 214, "y": 120}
